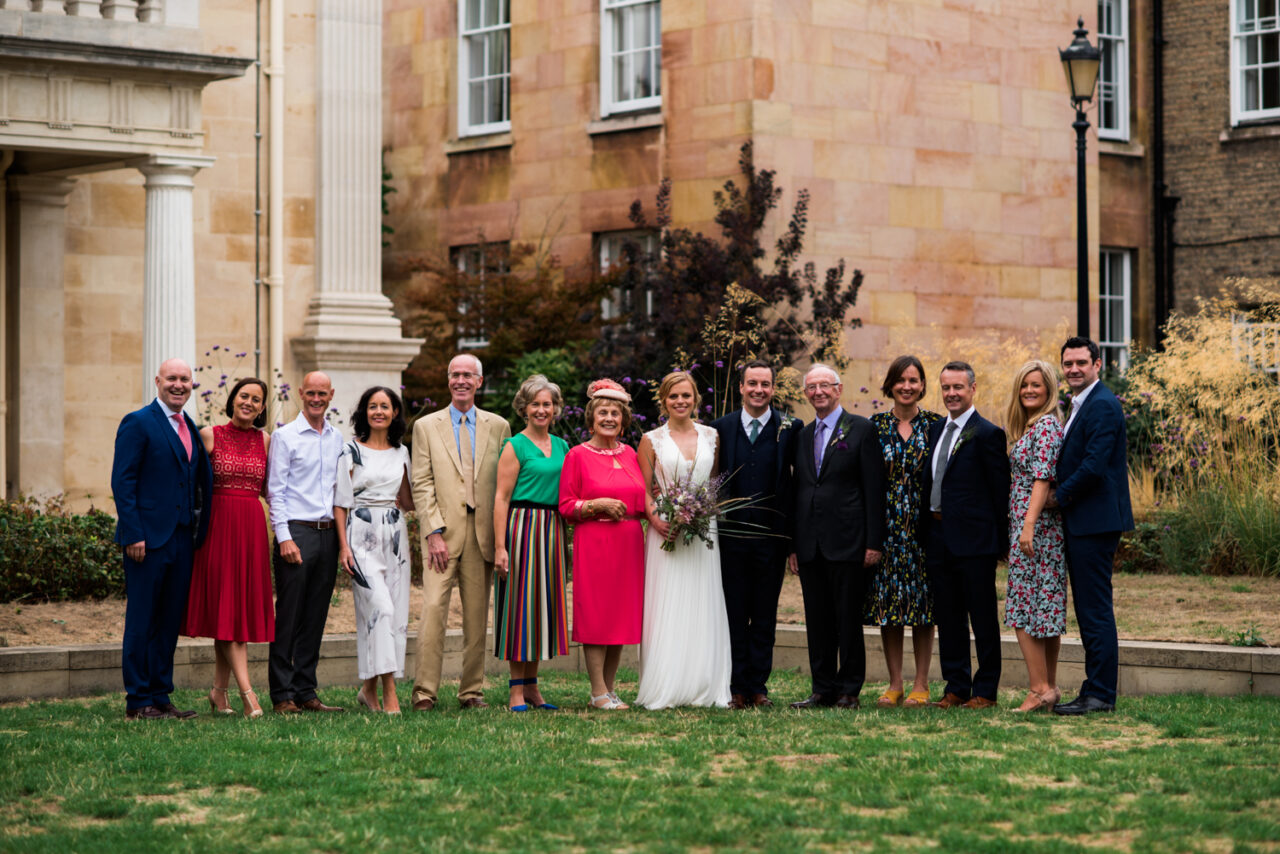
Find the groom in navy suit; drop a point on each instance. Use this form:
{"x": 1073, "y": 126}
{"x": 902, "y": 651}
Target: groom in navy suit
{"x": 1093, "y": 494}
{"x": 160, "y": 478}
{"x": 756, "y": 452}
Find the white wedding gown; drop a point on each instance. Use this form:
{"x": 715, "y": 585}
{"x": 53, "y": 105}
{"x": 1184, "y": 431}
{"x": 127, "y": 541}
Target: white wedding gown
{"x": 684, "y": 649}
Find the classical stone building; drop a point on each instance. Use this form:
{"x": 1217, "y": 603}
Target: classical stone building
{"x": 164, "y": 197}
{"x": 934, "y": 137}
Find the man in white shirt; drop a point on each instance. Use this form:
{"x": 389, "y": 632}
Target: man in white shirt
{"x": 302, "y": 475}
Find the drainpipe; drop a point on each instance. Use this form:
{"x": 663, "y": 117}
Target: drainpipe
{"x": 6, "y": 160}
{"x": 1162, "y": 269}
{"x": 275, "y": 194}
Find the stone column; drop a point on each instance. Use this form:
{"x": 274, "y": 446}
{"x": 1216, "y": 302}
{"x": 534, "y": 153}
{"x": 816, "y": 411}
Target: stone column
{"x": 37, "y": 355}
{"x": 169, "y": 271}
{"x": 350, "y": 331}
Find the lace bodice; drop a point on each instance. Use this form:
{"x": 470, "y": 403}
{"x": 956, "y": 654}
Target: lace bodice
{"x": 239, "y": 460}
{"x": 672, "y": 464}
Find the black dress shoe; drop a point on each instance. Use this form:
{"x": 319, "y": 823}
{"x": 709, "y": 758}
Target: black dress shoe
{"x": 1083, "y": 705}
{"x": 848, "y": 701}
{"x": 172, "y": 711}
{"x": 814, "y": 701}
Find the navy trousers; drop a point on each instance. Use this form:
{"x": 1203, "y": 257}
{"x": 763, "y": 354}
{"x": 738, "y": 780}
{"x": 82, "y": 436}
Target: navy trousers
{"x": 156, "y": 589}
{"x": 1089, "y": 563}
{"x": 303, "y": 591}
{"x": 751, "y": 574}
{"x": 964, "y": 594}
{"x": 833, "y": 593}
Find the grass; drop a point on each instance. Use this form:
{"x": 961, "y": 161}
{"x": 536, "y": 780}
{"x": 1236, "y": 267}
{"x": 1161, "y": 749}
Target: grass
{"x": 1162, "y": 774}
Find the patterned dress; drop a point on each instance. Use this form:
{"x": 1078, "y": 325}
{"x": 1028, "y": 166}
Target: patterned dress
{"x": 1037, "y": 598}
{"x": 898, "y": 593}
{"x": 368, "y": 483}
{"x": 230, "y": 596}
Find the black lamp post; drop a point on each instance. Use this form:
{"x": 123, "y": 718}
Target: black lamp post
{"x": 1081, "y": 61}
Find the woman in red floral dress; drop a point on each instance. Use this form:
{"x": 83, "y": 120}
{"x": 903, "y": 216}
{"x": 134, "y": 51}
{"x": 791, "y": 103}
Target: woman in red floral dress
{"x": 1035, "y": 605}
{"x": 230, "y": 599}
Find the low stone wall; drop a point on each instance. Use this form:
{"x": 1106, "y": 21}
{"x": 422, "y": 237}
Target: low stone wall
{"x": 1145, "y": 667}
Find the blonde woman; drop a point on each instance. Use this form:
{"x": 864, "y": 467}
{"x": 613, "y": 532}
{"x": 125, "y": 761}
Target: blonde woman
{"x": 1035, "y": 605}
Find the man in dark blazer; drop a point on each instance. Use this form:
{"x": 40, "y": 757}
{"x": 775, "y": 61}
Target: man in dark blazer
{"x": 160, "y": 478}
{"x": 755, "y": 451}
{"x": 1093, "y": 495}
{"x": 838, "y": 533}
{"x": 966, "y": 532}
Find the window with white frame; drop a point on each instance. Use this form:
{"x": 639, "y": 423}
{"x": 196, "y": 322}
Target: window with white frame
{"x": 1113, "y": 75}
{"x": 484, "y": 66}
{"x": 630, "y": 56}
{"x": 1114, "y": 307}
{"x": 478, "y": 261}
{"x": 1255, "y": 60}
{"x": 612, "y": 249}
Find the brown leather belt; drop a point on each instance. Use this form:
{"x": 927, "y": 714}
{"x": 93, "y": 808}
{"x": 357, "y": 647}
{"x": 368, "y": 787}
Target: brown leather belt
{"x": 323, "y": 525}
{"x": 936, "y": 514}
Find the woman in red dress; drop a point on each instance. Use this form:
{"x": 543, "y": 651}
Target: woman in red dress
{"x": 230, "y": 599}
{"x": 602, "y": 493}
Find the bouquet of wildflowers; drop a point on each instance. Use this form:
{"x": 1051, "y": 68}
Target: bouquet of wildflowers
{"x": 689, "y": 508}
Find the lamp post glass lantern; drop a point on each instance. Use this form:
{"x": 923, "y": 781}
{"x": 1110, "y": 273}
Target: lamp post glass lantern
{"x": 1080, "y": 62}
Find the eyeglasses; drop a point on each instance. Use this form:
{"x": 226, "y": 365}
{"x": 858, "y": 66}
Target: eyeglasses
{"x": 822, "y": 386}
{"x": 462, "y": 375}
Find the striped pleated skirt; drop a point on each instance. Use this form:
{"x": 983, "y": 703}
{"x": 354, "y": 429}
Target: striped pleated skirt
{"x": 529, "y": 618}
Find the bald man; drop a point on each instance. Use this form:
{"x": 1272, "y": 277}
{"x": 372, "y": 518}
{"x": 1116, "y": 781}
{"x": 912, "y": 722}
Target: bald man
{"x": 160, "y": 476}
{"x": 302, "y": 472}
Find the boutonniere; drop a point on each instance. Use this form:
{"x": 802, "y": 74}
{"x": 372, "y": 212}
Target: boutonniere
{"x": 787, "y": 422}
{"x": 837, "y": 440}
{"x": 965, "y": 435}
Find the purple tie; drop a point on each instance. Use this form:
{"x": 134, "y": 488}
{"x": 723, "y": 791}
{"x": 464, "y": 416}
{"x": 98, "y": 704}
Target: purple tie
{"x": 819, "y": 445}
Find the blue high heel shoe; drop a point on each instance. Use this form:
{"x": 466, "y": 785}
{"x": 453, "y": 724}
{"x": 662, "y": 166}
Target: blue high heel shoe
{"x": 533, "y": 680}
{"x": 523, "y": 707}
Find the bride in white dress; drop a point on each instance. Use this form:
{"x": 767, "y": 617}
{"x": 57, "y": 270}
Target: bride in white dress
{"x": 684, "y": 648}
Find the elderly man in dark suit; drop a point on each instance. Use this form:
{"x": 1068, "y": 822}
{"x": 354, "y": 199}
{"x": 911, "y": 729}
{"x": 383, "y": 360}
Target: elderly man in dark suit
{"x": 159, "y": 478}
{"x": 839, "y": 531}
{"x": 966, "y": 531}
{"x": 1093, "y": 494}
{"x": 756, "y": 451}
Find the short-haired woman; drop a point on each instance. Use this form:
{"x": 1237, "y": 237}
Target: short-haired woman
{"x": 1036, "y": 601}
{"x": 230, "y": 598}
{"x": 373, "y": 491}
{"x": 529, "y": 554}
{"x": 602, "y": 491}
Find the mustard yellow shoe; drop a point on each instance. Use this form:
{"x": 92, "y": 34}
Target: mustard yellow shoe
{"x": 889, "y": 699}
{"x": 917, "y": 700}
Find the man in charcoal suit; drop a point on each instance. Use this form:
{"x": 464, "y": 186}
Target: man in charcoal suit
{"x": 966, "y": 532}
{"x": 160, "y": 478}
{"x": 1093, "y": 494}
{"x": 839, "y": 528}
{"x": 755, "y": 451}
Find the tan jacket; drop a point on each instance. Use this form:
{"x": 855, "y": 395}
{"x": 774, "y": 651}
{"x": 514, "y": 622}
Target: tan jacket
{"x": 438, "y": 490}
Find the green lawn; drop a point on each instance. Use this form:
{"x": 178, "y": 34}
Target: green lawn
{"x": 1163, "y": 774}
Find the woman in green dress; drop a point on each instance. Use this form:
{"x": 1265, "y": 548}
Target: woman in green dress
{"x": 529, "y": 620}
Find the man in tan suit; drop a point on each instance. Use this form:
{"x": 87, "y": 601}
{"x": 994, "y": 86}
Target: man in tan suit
{"x": 455, "y": 475}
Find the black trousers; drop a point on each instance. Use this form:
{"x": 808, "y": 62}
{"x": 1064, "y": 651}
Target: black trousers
{"x": 303, "y": 591}
{"x": 751, "y": 574}
{"x": 1089, "y": 562}
{"x": 964, "y": 594}
{"x": 833, "y": 593}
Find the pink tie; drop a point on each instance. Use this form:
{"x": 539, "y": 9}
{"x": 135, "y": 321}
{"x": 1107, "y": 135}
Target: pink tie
{"x": 183, "y": 433}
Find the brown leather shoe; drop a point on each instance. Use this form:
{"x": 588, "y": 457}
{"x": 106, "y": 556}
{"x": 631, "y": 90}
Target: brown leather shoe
{"x": 761, "y": 701}
{"x": 285, "y": 707}
{"x": 473, "y": 703}
{"x": 738, "y": 701}
{"x": 979, "y": 703}
{"x": 314, "y": 705}
{"x": 172, "y": 711}
{"x": 848, "y": 701}
{"x": 814, "y": 701}
{"x": 949, "y": 701}
{"x": 426, "y": 704}
{"x": 144, "y": 713}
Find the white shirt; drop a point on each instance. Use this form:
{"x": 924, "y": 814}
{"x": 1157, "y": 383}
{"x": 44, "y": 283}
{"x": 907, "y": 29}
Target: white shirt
{"x": 302, "y": 471}
{"x": 747, "y": 418}
{"x": 1077, "y": 400}
{"x": 959, "y": 422}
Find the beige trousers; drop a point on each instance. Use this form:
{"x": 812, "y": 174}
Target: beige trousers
{"x": 473, "y": 576}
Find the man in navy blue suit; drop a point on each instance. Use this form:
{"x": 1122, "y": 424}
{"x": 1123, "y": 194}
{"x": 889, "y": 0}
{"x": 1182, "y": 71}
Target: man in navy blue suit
{"x": 160, "y": 478}
{"x": 1093, "y": 495}
{"x": 966, "y": 532}
{"x": 756, "y": 451}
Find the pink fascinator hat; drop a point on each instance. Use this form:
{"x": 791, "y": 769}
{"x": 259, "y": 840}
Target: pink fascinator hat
{"x": 608, "y": 388}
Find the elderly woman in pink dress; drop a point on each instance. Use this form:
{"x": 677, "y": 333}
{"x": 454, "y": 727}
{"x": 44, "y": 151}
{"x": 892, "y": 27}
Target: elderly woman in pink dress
{"x": 602, "y": 494}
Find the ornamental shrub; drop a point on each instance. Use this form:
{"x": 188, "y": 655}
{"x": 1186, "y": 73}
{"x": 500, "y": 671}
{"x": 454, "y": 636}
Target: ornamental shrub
{"x": 50, "y": 554}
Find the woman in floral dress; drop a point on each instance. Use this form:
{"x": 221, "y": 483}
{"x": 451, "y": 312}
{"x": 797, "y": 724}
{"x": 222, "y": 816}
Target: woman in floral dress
{"x": 1035, "y": 605}
{"x": 898, "y": 594}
